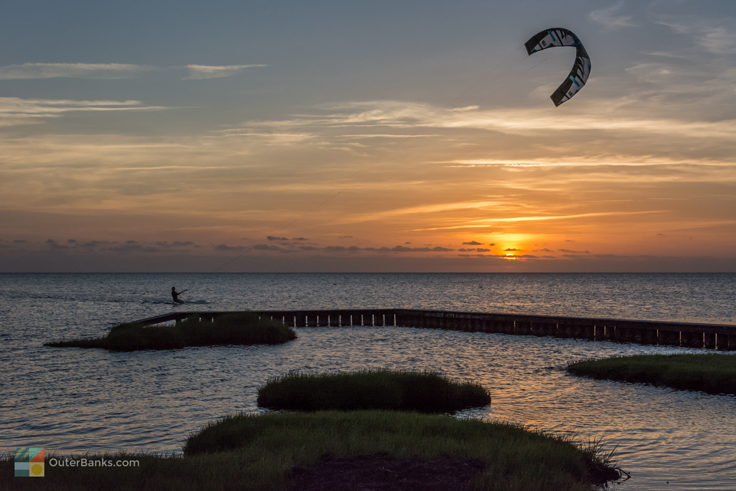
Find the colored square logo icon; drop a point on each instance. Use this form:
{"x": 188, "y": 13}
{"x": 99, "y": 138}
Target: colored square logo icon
{"x": 29, "y": 462}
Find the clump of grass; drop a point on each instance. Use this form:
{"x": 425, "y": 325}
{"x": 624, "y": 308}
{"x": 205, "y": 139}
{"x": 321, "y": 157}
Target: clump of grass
{"x": 241, "y": 328}
{"x": 514, "y": 458}
{"x": 712, "y": 373}
{"x": 382, "y": 389}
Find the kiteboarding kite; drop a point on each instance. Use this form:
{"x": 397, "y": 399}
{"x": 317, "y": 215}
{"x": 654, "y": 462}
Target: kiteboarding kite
{"x": 558, "y": 36}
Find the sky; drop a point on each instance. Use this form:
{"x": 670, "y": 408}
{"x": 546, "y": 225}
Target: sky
{"x": 365, "y": 136}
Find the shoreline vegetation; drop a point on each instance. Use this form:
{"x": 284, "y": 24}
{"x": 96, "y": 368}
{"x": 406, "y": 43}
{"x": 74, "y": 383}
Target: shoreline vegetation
{"x": 711, "y": 373}
{"x": 387, "y": 450}
{"x": 371, "y": 389}
{"x": 228, "y": 329}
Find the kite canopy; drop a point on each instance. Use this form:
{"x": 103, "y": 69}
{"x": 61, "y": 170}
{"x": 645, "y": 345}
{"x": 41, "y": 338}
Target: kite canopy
{"x": 555, "y": 37}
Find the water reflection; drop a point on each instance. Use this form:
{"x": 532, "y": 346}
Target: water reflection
{"x": 87, "y": 400}
{"x": 152, "y": 400}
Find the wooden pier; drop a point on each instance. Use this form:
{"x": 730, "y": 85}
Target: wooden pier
{"x": 694, "y": 335}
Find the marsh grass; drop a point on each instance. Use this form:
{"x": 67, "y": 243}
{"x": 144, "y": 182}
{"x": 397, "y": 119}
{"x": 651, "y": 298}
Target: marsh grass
{"x": 241, "y": 328}
{"x": 257, "y": 452}
{"x": 712, "y": 373}
{"x": 381, "y": 389}
{"x": 514, "y": 457}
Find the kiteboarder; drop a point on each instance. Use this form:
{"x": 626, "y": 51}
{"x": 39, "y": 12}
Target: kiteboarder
{"x": 175, "y": 295}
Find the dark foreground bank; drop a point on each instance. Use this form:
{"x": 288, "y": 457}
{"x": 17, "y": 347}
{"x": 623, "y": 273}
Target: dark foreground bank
{"x": 239, "y": 328}
{"x": 712, "y": 373}
{"x": 344, "y": 450}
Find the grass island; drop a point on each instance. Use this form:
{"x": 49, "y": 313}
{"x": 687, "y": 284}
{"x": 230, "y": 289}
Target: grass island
{"x": 226, "y": 329}
{"x": 711, "y": 373}
{"x": 377, "y": 389}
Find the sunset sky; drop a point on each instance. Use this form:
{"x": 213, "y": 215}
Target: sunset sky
{"x": 365, "y": 136}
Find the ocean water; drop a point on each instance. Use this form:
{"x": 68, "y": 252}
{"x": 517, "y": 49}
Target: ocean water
{"x": 75, "y": 401}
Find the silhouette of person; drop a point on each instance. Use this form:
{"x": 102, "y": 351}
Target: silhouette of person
{"x": 175, "y": 295}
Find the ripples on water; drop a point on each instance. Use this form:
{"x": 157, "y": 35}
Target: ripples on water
{"x": 91, "y": 400}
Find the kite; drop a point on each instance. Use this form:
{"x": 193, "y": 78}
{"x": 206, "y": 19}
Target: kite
{"x": 558, "y": 36}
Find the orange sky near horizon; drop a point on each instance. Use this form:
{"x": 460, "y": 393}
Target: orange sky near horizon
{"x": 433, "y": 160}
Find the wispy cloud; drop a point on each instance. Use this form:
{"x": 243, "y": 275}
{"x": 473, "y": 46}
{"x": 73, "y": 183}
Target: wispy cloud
{"x": 611, "y": 18}
{"x": 15, "y": 111}
{"x": 266, "y": 137}
{"x": 711, "y": 35}
{"x": 30, "y": 71}
{"x": 597, "y": 161}
{"x": 417, "y": 210}
{"x": 490, "y": 221}
{"x": 201, "y": 72}
{"x": 70, "y": 70}
{"x": 615, "y": 115}
{"x": 397, "y": 136}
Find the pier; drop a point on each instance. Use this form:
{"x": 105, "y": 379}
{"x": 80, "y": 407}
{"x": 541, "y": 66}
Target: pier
{"x": 664, "y": 333}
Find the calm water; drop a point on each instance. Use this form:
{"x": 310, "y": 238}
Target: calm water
{"x": 71, "y": 400}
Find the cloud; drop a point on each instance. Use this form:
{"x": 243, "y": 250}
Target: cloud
{"x": 176, "y": 244}
{"x": 472, "y": 242}
{"x": 133, "y": 246}
{"x": 16, "y": 111}
{"x": 202, "y": 72}
{"x": 341, "y": 249}
{"x": 634, "y": 114}
{"x": 267, "y": 247}
{"x": 229, "y": 248}
{"x": 389, "y": 135}
{"x": 336, "y": 249}
{"x": 52, "y": 244}
{"x": 28, "y": 71}
{"x": 380, "y": 250}
{"x": 610, "y": 18}
{"x": 717, "y": 39}
{"x": 286, "y": 240}
{"x": 416, "y": 249}
{"x": 710, "y": 35}
{"x": 74, "y": 246}
{"x": 277, "y": 138}
{"x": 485, "y": 222}
{"x": 423, "y": 209}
